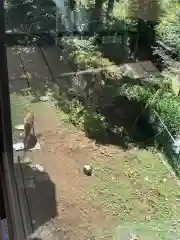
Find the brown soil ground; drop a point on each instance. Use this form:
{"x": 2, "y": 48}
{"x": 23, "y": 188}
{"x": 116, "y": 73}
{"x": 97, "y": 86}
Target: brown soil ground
{"x": 64, "y": 152}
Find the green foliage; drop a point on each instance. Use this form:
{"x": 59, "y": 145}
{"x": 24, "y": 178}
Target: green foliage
{"x": 86, "y": 4}
{"x": 20, "y": 105}
{"x": 121, "y": 9}
{"x": 168, "y": 108}
{"x": 137, "y": 92}
{"x": 72, "y": 44}
{"x": 169, "y": 29}
{"x": 112, "y": 76}
{"x": 61, "y": 99}
{"x": 165, "y": 103}
{"x": 95, "y": 125}
{"x": 84, "y": 60}
{"x": 84, "y": 55}
{"x": 33, "y": 96}
{"x": 77, "y": 113}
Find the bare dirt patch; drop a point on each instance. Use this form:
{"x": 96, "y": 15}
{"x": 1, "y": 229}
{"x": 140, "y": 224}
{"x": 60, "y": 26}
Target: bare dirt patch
{"x": 64, "y": 153}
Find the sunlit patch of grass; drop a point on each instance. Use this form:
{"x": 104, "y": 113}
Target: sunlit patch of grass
{"x": 19, "y": 107}
{"x": 63, "y": 117}
{"x": 138, "y": 193}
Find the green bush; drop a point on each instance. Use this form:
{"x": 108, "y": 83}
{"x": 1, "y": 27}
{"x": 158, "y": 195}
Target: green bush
{"x": 84, "y": 55}
{"x": 168, "y": 108}
{"x": 163, "y": 102}
{"x": 77, "y": 113}
{"x": 157, "y": 97}
{"x": 61, "y": 99}
{"x": 140, "y": 93}
{"x": 169, "y": 29}
{"x": 95, "y": 125}
{"x": 86, "y": 4}
{"x": 33, "y": 95}
{"x": 84, "y": 60}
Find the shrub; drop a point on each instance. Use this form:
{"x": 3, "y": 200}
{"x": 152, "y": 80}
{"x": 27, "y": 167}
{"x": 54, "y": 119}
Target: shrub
{"x": 61, "y": 99}
{"x": 84, "y": 60}
{"x": 140, "y": 93}
{"x": 86, "y": 4}
{"x": 157, "y": 97}
{"x": 83, "y": 54}
{"x": 33, "y": 95}
{"x": 169, "y": 29}
{"x": 168, "y": 108}
{"x": 165, "y": 103}
{"x": 95, "y": 125}
{"x": 112, "y": 75}
{"x": 77, "y": 113}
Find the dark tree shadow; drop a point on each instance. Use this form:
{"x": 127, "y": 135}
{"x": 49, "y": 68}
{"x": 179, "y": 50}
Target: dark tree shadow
{"x": 144, "y": 50}
{"x": 127, "y": 123}
{"x": 37, "y": 196}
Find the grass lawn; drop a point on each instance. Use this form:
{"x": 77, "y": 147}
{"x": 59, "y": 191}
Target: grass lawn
{"x": 133, "y": 188}
{"x": 19, "y": 107}
{"x": 139, "y": 192}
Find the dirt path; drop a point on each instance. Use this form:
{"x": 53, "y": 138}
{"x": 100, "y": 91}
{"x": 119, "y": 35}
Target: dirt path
{"x": 63, "y": 154}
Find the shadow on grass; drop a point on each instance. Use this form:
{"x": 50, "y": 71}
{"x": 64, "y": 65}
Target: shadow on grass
{"x": 137, "y": 130}
{"x": 37, "y": 196}
{"x": 127, "y": 124}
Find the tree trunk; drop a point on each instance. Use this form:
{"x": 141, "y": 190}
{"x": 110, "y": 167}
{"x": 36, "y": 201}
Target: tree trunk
{"x": 97, "y": 16}
{"x": 110, "y": 8}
